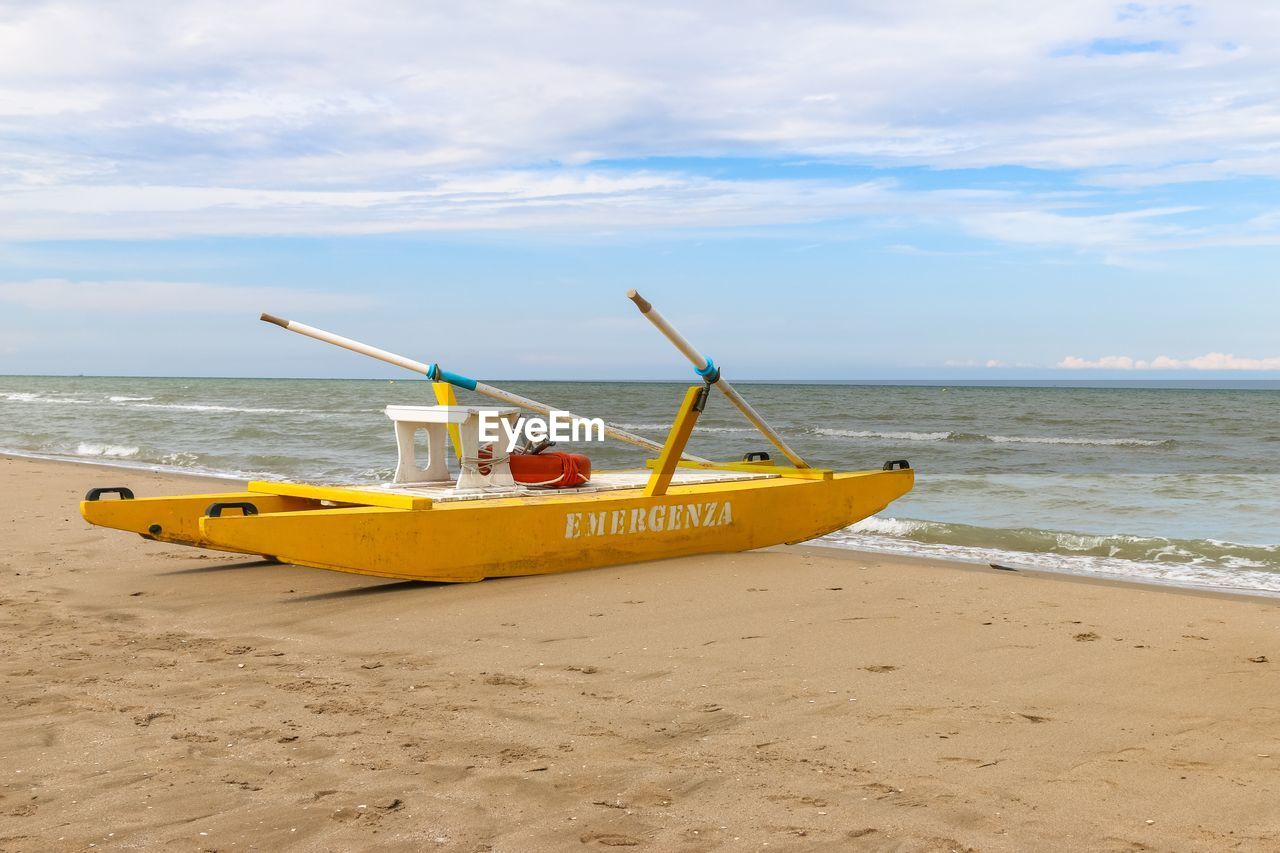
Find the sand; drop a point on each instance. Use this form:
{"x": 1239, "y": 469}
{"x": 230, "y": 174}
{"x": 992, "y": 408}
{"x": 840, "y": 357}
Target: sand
{"x": 788, "y": 699}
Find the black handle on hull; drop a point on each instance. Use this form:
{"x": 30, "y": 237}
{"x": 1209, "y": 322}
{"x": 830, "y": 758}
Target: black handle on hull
{"x": 215, "y": 510}
{"x": 895, "y": 465}
{"x": 125, "y": 493}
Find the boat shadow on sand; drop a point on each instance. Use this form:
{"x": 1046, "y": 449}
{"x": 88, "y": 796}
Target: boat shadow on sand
{"x": 220, "y": 567}
{"x": 353, "y": 592}
{"x": 372, "y": 589}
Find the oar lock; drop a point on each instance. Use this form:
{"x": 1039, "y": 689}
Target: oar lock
{"x": 709, "y": 373}
{"x": 436, "y": 374}
{"x": 704, "y": 392}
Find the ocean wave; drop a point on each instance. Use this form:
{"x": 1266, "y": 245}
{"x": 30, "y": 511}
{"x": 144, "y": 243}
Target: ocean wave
{"x": 123, "y": 399}
{"x": 209, "y": 407}
{"x": 1089, "y": 442}
{"x": 894, "y": 436}
{"x": 1032, "y": 539}
{"x": 113, "y": 451}
{"x": 1187, "y": 562}
{"x": 380, "y": 475}
{"x": 29, "y": 397}
{"x": 995, "y": 439}
{"x": 667, "y": 426}
{"x": 180, "y": 460}
{"x": 178, "y": 465}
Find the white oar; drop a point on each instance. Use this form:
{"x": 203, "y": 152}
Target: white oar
{"x": 433, "y": 372}
{"x": 707, "y": 369}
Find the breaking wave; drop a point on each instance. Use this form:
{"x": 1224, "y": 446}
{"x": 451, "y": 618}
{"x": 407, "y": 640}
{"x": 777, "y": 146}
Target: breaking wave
{"x": 894, "y": 436}
{"x": 28, "y": 397}
{"x": 667, "y": 426}
{"x": 111, "y": 451}
{"x": 1088, "y": 442}
{"x": 121, "y": 457}
{"x": 995, "y": 439}
{"x": 1183, "y": 562}
{"x": 207, "y": 407}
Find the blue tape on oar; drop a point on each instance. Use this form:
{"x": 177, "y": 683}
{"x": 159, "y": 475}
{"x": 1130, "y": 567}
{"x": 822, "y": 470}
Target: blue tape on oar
{"x": 436, "y": 374}
{"x": 710, "y": 373}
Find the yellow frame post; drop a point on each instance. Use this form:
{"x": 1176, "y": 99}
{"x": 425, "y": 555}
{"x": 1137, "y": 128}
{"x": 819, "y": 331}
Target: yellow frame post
{"x": 695, "y": 399}
{"x": 446, "y": 397}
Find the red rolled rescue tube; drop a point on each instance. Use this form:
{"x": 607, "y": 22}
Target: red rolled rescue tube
{"x": 550, "y": 469}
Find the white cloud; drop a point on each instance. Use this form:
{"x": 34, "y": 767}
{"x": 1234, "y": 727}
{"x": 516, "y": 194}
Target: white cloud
{"x": 1132, "y": 230}
{"x": 565, "y": 200}
{"x": 1209, "y": 361}
{"x": 164, "y": 297}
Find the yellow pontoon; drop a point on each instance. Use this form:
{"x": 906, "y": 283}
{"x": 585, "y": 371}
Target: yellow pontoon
{"x": 430, "y": 526}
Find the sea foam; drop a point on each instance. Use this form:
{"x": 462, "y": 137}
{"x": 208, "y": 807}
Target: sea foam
{"x": 1179, "y": 562}
{"x": 994, "y": 439}
{"x": 112, "y": 451}
{"x": 208, "y": 407}
{"x": 28, "y": 397}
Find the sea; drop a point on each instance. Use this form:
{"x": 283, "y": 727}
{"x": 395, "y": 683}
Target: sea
{"x": 1171, "y": 483}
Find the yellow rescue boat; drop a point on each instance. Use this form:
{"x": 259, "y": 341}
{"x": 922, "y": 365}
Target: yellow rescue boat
{"x": 430, "y": 526}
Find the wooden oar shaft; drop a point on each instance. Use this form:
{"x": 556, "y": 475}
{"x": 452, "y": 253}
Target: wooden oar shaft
{"x": 479, "y": 387}
{"x": 347, "y": 343}
{"x": 702, "y": 364}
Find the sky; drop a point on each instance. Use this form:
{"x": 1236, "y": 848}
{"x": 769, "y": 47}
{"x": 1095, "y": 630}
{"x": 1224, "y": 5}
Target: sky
{"x": 854, "y": 190}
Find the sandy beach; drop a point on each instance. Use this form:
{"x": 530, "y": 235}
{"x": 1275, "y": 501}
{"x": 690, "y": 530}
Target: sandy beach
{"x": 794, "y": 698}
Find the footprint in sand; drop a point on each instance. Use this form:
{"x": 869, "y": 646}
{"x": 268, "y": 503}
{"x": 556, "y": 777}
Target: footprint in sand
{"x": 500, "y": 679}
{"x": 194, "y": 737}
{"x": 609, "y": 839}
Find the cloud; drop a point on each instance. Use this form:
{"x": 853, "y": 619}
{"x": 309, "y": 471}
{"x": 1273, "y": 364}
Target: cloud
{"x": 1209, "y": 361}
{"x": 1133, "y": 230}
{"x": 565, "y": 200}
{"x": 1241, "y": 166}
{"x": 590, "y": 202}
{"x": 130, "y": 120}
{"x": 168, "y": 297}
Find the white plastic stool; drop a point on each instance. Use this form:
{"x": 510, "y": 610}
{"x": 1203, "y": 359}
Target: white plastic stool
{"x": 436, "y": 420}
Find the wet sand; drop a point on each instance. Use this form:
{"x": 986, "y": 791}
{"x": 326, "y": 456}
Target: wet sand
{"x": 794, "y": 699}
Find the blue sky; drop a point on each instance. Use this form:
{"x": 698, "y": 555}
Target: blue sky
{"x": 811, "y": 190}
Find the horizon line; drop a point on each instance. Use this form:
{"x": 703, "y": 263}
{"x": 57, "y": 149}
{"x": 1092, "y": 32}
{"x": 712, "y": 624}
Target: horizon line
{"x": 666, "y": 381}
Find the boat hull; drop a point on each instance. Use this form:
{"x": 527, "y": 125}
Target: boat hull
{"x": 467, "y": 541}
